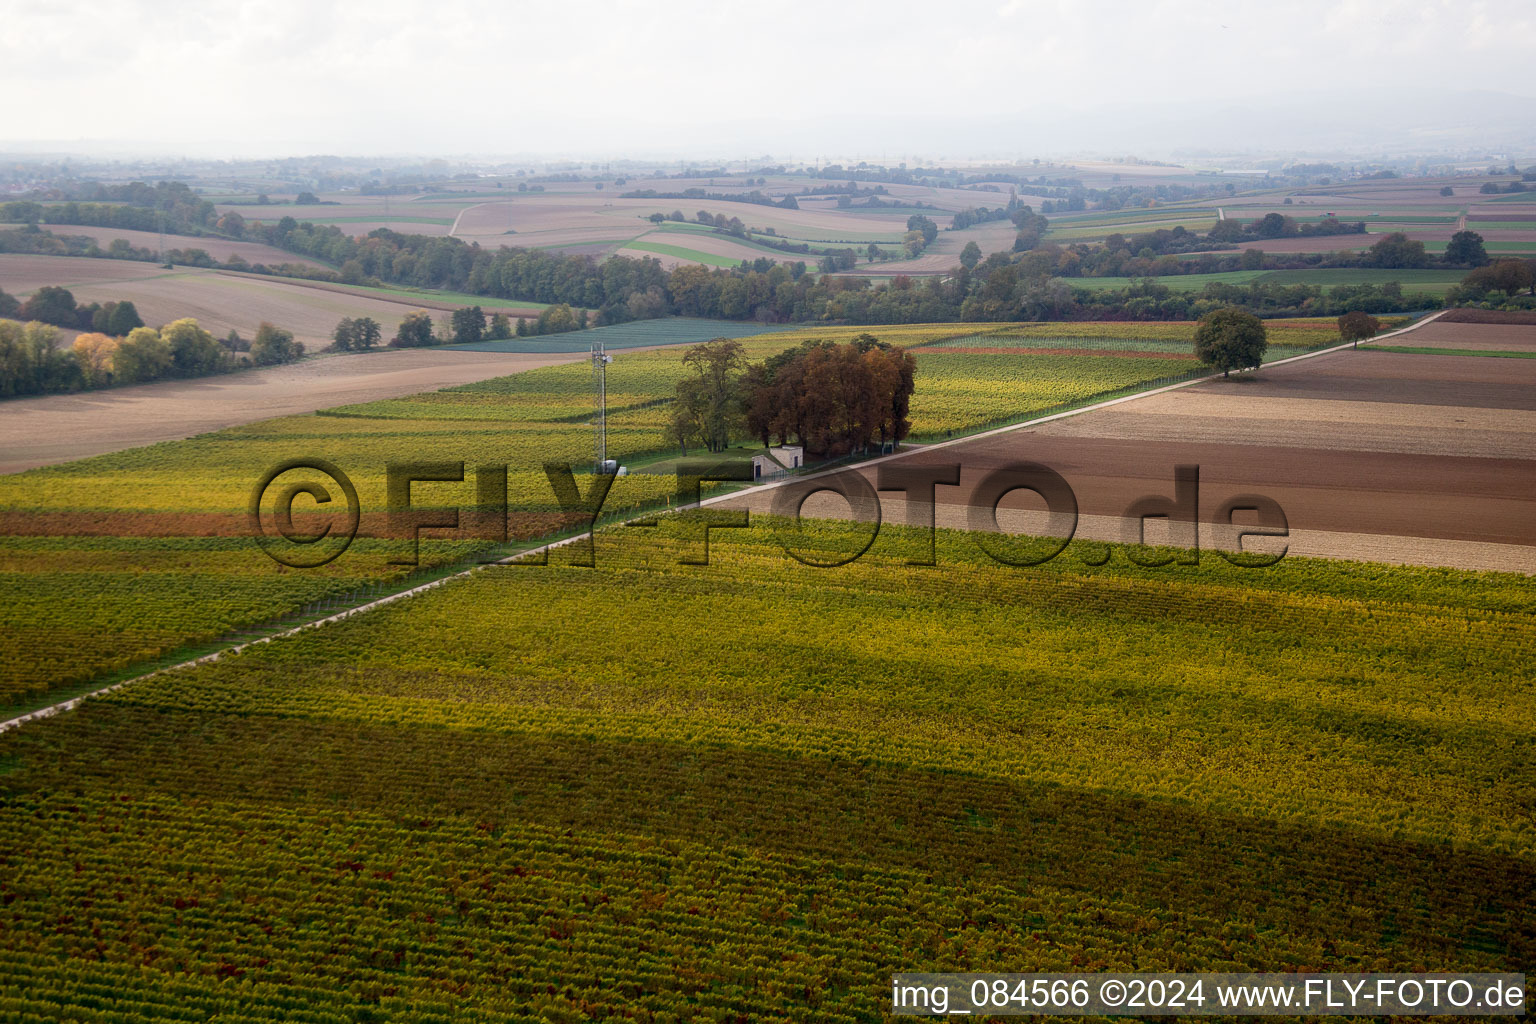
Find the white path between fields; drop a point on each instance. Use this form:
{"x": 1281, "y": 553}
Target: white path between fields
{"x": 68, "y": 705}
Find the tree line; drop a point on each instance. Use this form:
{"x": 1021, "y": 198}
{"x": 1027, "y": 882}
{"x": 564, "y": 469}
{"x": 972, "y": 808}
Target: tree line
{"x": 32, "y": 362}
{"x": 54, "y": 305}
{"x": 1014, "y": 285}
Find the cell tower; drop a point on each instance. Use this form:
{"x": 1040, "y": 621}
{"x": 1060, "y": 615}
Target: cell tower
{"x": 600, "y": 361}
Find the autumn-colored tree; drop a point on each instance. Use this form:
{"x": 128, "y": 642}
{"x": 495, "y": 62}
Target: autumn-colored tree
{"x": 274, "y": 345}
{"x": 94, "y": 354}
{"x": 194, "y": 352}
{"x": 833, "y": 399}
{"x": 142, "y": 356}
{"x": 1356, "y": 326}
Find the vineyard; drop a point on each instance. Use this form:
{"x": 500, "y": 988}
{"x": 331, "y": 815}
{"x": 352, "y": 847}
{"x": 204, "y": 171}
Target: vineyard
{"x": 759, "y": 788}
{"x": 114, "y": 561}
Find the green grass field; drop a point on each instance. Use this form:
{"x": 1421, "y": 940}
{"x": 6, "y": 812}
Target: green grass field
{"x": 1174, "y": 282}
{"x": 709, "y": 259}
{"x": 753, "y": 790}
{"x": 392, "y": 218}
{"x": 1489, "y": 353}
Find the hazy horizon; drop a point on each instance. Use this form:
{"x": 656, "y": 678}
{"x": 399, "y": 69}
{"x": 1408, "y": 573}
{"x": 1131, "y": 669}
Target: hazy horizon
{"x": 802, "y": 83}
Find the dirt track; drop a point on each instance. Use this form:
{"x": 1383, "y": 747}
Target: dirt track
{"x": 57, "y": 428}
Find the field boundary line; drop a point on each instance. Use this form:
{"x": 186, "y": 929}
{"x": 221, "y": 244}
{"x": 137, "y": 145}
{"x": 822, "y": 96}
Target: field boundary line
{"x": 73, "y": 702}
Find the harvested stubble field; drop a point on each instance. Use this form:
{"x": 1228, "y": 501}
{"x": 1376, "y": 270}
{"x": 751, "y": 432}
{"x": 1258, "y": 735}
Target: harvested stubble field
{"x": 475, "y": 801}
{"x": 22, "y": 274}
{"x": 50, "y": 429}
{"x": 223, "y": 301}
{"x": 1446, "y": 334}
{"x": 558, "y": 219}
{"x": 1384, "y": 456}
{"x": 221, "y": 249}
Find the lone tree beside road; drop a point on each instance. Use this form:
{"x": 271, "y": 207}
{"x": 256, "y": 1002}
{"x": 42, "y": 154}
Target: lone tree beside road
{"x": 1356, "y": 326}
{"x": 1230, "y": 339}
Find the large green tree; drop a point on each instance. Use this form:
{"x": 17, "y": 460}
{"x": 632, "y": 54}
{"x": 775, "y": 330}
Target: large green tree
{"x": 51, "y": 305}
{"x": 274, "y": 345}
{"x": 1398, "y": 252}
{"x": 123, "y": 319}
{"x": 142, "y": 356}
{"x": 415, "y": 331}
{"x": 194, "y": 352}
{"x": 711, "y": 398}
{"x": 1230, "y": 339}
{"x": 468, "y": 325}
{"x": 1466, "y": 248}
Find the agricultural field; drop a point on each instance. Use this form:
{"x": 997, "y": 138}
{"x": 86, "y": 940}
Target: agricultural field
{"x": 223, "y": 301}
{"x": 221, "y": 249}
{"x": 1414, "y": 207}
{"x": 577, "y": 217}
{"x": 49, "y": 429}
{"x": 474, "y": 801}
{"x": 160, "y": 501}
{"x": 675, "y": 330}
{"x": 1373, "y": 454}
{"x": 1435, "y": 282}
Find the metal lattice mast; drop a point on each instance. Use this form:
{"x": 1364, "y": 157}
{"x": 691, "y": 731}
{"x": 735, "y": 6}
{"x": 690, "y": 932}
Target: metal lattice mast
{"x": 600, "y": 361}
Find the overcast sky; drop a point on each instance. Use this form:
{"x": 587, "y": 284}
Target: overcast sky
{"x": 792, "y": 78}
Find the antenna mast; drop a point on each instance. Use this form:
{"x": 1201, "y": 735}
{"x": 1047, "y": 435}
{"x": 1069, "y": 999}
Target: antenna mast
{"x": 600, "y": 361}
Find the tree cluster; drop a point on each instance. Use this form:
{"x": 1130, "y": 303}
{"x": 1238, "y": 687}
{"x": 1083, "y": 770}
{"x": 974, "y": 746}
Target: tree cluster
{"x": 357, "y": 334}
{"x": 1277, "y": 225}
{"x": 54, "y": 305}
{"x": 832, "y": 399}
{"x": 32, "y": 363}
{"x": 1502, "y": 282}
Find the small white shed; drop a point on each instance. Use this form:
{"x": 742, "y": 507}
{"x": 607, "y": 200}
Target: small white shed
{"x": 776, "y": 461}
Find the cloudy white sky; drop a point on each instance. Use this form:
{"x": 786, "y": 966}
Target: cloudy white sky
{"x": 792, "y": 77}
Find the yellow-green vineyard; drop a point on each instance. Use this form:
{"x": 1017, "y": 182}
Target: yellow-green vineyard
{"x": 750, "y": 791}
{"x": 111, "y": 562}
